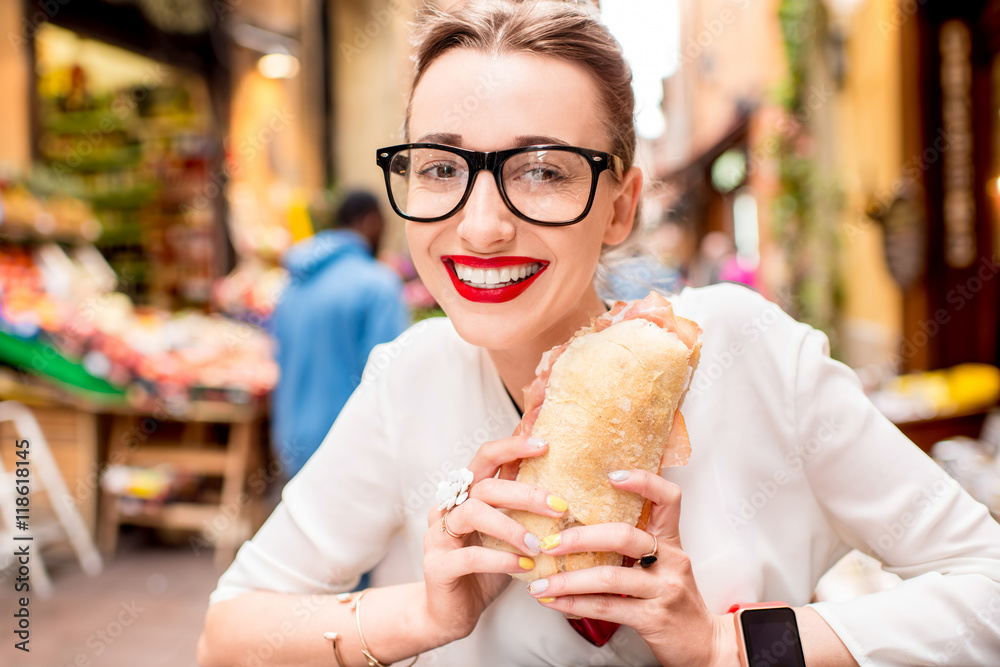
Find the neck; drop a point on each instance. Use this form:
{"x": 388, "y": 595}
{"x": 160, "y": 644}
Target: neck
{"x": 516, "y": 365}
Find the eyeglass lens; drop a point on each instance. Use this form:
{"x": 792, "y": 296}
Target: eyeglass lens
{"x": 549, "y": 185}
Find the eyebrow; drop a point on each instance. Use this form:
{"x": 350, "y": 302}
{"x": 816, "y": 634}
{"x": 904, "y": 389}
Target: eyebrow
{"x": 452, "y": 139}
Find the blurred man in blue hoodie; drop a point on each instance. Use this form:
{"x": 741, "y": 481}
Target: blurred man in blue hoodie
{"x": 339, "y": 304}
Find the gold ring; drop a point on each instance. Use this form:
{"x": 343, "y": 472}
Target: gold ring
{"x": 650, "y": 558}
{"x": 446, "y": 529}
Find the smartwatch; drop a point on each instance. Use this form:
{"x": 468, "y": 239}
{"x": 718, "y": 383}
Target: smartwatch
{"x": 768, "y": 635}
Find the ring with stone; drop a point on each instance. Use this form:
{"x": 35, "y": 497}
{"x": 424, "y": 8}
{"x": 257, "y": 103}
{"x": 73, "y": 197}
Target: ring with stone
{"x": 650, "y": 558}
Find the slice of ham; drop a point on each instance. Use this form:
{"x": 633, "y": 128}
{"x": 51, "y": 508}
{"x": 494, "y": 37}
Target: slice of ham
{"x": 654, "y": 308}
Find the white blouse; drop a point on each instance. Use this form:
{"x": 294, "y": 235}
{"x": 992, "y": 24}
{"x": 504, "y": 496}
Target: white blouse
{"x": 791, "y": 467}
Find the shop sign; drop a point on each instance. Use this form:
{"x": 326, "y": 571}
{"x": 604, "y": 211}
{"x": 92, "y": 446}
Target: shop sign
{"x": 904, "y": 225}
{"x": 959, "y": 175}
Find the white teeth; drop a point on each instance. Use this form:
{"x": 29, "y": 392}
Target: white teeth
{"x": 493, "y": 278}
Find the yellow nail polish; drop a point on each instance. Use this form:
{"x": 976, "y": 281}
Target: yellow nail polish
{"x": 556, "y": 503}
{"x": 551, "y": 542}
{"x": 526, "y": 563}
{"x": 546, "y": 600}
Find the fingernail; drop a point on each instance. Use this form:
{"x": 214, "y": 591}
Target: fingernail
{"x": 618, "y": 475}
{"x": 532, "y": 543}
{"x": 526, "y": 563}
{"x": 537, "y": 443}
{"x": 556, "y": 503}
{"x": 538, "y": 586}
{"x": 551, "y": 542}
{"x": 546, "y": 600}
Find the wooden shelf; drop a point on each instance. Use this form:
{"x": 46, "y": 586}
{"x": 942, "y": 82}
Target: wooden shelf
{"x": 225, "y": 519}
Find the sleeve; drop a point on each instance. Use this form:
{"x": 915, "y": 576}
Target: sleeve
{"x": 386, "y": 315}
{"x": 887, "y": 498}
{"x": 337, "y": 515}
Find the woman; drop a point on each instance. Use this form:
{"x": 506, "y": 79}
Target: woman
{"x": 791, "y": 466}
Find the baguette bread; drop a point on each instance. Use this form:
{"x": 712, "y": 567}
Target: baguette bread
{"x": 606, "y": 400}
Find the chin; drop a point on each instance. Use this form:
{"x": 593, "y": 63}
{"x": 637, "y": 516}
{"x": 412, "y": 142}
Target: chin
{"x": 490, "y": 331}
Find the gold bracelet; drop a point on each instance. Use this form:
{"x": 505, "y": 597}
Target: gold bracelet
{"x": 372, "y": 660}
{"x": 335, "y": 637}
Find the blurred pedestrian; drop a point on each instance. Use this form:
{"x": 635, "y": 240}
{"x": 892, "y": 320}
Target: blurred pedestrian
{"x": 340, "y": 303}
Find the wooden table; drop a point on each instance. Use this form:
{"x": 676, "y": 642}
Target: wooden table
{"x": 925, "y": 432}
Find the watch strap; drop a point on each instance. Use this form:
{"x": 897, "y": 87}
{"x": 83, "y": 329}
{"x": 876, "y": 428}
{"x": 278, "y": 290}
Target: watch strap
{"x": 756, "y": 605}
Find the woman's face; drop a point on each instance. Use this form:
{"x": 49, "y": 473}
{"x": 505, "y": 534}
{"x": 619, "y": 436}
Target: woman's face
{"x": 487, "y": 103}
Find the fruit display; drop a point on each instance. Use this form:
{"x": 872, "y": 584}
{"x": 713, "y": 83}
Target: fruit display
{"x": 58, "y": 217}
{"x": 251, "y": 292}
{"x": 152, "y": 353}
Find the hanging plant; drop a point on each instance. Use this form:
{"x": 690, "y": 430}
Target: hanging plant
{"x": 805, "y": 211}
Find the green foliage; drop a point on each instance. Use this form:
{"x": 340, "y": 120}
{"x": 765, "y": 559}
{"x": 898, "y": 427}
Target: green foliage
{"x": 805, "y": 213}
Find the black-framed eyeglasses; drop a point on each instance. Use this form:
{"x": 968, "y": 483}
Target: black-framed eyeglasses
{"x": 550, "y": 184}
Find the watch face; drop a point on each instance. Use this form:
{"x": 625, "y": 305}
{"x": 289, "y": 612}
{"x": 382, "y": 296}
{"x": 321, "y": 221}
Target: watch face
{"x": 772, "y": 638}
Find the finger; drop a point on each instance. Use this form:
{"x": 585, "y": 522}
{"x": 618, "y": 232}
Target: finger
{"x": 664, "y": 519}
{"x": 518, "y": 496}
{"x": 620, "y": 537}
{"x": 471, "y": 560}
{"x": 618, "y": 580}
{"x": 475, "y": 515}
{"x": 614, "y": 608}
{"x": 492, "y": 455}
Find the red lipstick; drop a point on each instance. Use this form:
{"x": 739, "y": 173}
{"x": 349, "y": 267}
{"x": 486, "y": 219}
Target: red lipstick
{"x": 496, "y": 294}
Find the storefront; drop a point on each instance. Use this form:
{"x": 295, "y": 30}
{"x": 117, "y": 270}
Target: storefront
{"x": 951, "y": 53}
{"x": 157, "y": 158}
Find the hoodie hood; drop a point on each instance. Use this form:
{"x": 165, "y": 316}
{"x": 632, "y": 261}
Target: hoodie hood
{"x": 311, "y": 255}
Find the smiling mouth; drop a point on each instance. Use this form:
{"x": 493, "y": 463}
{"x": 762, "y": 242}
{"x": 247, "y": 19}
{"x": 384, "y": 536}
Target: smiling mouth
{"x": 494, "y": 278}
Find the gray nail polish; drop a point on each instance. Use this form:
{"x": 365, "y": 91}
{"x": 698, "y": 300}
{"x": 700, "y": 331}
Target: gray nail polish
{"x": 538, "y": 586}
{"x": 533, "y": 544}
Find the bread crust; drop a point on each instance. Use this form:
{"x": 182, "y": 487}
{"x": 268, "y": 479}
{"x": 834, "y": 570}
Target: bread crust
{"x": 609, "y": 405}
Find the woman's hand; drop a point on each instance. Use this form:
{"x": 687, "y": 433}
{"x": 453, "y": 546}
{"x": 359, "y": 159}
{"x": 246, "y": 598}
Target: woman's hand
{"x": 461, "y": 576}
{"x": 661, "y": 602}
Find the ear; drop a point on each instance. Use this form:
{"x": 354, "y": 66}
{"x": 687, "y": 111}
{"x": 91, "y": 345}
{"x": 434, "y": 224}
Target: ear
{"x": 623, "y": 207}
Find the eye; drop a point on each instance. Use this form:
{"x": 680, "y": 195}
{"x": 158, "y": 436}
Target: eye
{"x": 541, "y": 174}
{"x": 439, "y": 170}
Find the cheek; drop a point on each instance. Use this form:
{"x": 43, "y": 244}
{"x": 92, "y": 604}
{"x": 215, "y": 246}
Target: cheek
{"x": 418, "y": 239}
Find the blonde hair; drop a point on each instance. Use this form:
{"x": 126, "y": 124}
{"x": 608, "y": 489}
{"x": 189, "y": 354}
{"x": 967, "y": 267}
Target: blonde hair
{"x": 566, "y": 30}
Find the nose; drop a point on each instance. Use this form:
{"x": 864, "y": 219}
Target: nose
{"x": 486, "y": 223}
